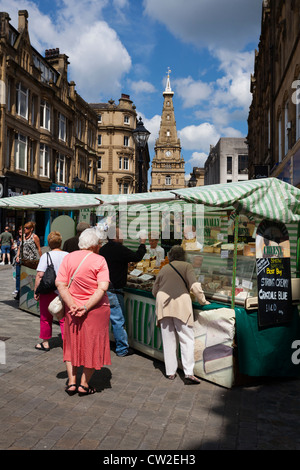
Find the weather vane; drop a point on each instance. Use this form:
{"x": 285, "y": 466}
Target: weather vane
{"x": 169, "y": 71}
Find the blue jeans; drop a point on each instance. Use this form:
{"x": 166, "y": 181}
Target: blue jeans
{"x": 117, "y": 320}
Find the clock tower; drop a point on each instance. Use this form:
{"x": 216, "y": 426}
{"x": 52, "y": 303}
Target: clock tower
{"x": 167, "y": 164}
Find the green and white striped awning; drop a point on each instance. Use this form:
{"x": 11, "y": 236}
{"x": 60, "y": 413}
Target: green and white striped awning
{"x": 267, "y": 198}
{"x": 73, "y": 201}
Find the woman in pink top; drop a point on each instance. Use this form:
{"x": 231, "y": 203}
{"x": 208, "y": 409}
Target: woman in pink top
{"x": 87, "y": 311}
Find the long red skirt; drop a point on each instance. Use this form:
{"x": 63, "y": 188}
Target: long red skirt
{"x": 86, "y": 339}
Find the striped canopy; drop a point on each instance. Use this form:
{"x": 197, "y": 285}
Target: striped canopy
{"x": 268, "y": 198}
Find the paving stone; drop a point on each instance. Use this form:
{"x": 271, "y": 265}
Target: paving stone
{"x": 136, "y": 407}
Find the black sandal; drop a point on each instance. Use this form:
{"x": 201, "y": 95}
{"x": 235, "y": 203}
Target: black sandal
{"x": 88, "y": 390}
{"x": 71, "y": 392}
{"x": 191, "y": 380}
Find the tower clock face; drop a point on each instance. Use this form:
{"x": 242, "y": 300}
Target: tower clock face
{"x": 168, "y": 153}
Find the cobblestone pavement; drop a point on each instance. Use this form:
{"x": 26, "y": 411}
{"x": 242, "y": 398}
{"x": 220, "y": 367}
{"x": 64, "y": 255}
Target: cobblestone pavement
{"x": 136, "y": 407}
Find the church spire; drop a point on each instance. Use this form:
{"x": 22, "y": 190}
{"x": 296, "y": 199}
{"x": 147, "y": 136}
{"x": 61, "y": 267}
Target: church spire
{"x": 168, "y": 89}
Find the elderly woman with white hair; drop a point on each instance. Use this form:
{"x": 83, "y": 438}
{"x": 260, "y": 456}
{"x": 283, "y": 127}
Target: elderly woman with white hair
{"x": 87, "y": 312}
{"x": 174, "y": 311}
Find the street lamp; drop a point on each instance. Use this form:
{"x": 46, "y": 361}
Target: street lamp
{"x": 76, "y": 182}
{"x": 193, "y": 181}
{"x": 140, "y": 136}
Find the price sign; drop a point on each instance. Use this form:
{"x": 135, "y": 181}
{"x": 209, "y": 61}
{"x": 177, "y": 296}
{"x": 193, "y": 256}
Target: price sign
{"x": 273, "y": 274}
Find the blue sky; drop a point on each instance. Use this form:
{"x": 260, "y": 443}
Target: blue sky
{"x": 126, "y": 46}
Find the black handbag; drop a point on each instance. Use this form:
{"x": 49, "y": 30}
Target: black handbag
{"x": 47, "y": 283}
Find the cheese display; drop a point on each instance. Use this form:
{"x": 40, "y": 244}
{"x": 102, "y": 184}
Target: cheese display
{"x": 212, "y": 261}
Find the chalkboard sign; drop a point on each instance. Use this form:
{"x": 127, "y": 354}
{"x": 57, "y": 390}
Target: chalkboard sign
{"x": 273, "y": 274}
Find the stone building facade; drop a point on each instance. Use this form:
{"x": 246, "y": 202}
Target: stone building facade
{"x": 167, "y": 164}
{"x": 117, "y": 166}
{"x": 227, "y": 161}
{"x": 48, "y": 132}
{"x": 274, "y": 117}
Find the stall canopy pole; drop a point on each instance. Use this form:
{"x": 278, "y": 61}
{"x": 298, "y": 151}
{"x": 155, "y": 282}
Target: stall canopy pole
{"x": 236, "y": 233}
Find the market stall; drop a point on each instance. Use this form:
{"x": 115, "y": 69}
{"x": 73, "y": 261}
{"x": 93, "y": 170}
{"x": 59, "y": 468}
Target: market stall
{"x": 224, "y": 220}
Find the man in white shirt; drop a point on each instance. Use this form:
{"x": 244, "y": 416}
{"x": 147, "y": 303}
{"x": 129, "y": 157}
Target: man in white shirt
{"x": 153, "y": 250}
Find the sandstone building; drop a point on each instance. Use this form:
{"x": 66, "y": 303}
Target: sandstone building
{"x": 274, "y": 117}
{"x": 48, "y": 132}
{"x": 117, "y": 166}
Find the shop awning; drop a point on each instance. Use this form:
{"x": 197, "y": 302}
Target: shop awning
{"x": 268, "y": 198}
{"x": 73, "y": 201}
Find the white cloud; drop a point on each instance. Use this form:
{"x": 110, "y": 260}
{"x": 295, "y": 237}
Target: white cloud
{"x": 198, "y": 138}
{"x": 141, "y": 86}
{"x": 233, "y": 89}
{"x": 98, "y": 59}
{"x": 198, "y": 159}
{"x": 152, "y": 125}
{"x": 209, "y": 23}
{"x": 192, "y": 92}
{"x": 99, "y": 52}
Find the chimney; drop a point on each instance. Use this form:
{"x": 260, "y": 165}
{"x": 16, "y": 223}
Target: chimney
{"x": 23, "y": 21}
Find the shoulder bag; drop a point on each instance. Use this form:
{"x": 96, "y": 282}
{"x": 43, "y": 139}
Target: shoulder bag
{"x": 56, "y": 306}
{"x": 180, "y": 276}
{"x": 47, "y": 283}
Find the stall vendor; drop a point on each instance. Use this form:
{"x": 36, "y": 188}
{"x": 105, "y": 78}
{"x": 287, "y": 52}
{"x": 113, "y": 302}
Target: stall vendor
{"x": 117, "y": 257}
{"x": 153, "y": 249}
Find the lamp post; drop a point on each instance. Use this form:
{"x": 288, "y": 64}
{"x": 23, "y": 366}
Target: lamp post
{"x": 140, "y": 136}
{"x": 76, "y": 183}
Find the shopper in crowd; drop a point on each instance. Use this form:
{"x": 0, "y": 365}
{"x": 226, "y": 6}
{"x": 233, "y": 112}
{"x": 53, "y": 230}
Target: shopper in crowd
{"x": 29, "y": 250}
{"x": 71, "y": 244}
{"x": 17, "y": 263}
{"x": 6, "y": 241}
{"x": 56, "y": 256}
{"x": 118, "y": 256}
{"x": 86, "y": 328}
{"x": 174, "y": 312}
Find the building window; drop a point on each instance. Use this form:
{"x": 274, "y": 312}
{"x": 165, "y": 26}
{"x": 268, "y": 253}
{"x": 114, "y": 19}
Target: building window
{"x": 168, "y": 133}
{"x": 99, "y": 117}
{"x": 120, "y": 188}
{"x": 126, "y": 163}
{"x": 44, "y": 160}
{"x": 62, "y": 127}
{"x": 79, "y": 129}
{"x": 90, "y": 172}
{"x": 99, "y": 163}
{"x": 229, "y": 165}
{"x": 126, "y": 140}
{"x": 243, "y": 164}
{"x": 21, "y": 152}
{"x": 168, "y": 180}
{"x": 61, "y": 168}
{"x": 279, "y": 141}
{"x": 120, "y": 163}
{"x": 22, "y": 101}
{"x": 269, "y": 129}
{"x": 126, "y": 119}
{"x": 286, "y": 128}
{"x": 45, "y": 115}
{"x": 99, "y": 139}
{"x": 125, "y": 188}
{"x": 298, "y": 110}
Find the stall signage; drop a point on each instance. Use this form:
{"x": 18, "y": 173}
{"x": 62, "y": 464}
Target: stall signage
{"x": 273, "y": 274}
